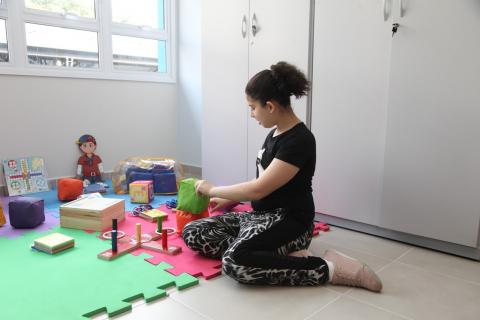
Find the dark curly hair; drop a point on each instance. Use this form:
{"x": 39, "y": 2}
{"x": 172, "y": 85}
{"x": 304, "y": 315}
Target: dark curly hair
{"x": 278, "y": 83}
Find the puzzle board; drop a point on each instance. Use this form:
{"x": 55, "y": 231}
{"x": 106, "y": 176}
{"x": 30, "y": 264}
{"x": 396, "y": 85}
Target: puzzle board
{"x": 25, "y": 175}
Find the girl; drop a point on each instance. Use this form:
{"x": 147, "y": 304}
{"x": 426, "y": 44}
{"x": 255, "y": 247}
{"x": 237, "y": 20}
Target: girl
{"x": 269, "y": 245}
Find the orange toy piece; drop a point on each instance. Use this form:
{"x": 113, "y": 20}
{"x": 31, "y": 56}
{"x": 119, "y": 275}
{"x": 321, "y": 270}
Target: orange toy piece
{"x": 2, "y": 216}
{"x": 69, "y": 189}
{"x": 184, "y": 217}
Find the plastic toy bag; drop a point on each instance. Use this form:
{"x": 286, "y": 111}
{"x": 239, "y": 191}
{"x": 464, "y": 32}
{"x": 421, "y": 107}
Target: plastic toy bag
{"x": 164, "y": 172}
{"x": 188, "y": 200}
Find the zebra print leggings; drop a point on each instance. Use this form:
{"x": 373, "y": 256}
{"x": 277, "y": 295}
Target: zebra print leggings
{"x": 254, "y": 247}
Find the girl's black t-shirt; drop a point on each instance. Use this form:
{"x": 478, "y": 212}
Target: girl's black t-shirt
{"x": 297, "y": 147}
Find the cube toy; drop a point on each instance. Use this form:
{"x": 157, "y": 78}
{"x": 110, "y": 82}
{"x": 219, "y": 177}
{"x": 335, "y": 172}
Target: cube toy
{"x": 141, "y": 191}
{"x": 165, "y": 183}
{"x": 26, "y": 212}
{"x": 69, "y": 189}
{"x": 2, "y": 216}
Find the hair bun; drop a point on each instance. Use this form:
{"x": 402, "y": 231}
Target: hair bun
{"x": 289, "y": 78}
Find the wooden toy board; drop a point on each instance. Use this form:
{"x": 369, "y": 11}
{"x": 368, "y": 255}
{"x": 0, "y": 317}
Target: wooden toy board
{"x": 25, "y": 175}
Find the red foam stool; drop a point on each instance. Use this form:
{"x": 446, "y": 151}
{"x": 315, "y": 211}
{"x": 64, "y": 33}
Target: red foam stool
{"x": 69, "y": 189}
{"x": 184, "y": 217}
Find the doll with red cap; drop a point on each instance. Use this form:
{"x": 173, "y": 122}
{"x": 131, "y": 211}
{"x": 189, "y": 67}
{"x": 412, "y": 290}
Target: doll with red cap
{"x": 89, "y": 165}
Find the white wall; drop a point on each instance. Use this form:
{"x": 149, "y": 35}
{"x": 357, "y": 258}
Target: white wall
{"x": 45, "y": 116}
{"x": 189, "y": 83}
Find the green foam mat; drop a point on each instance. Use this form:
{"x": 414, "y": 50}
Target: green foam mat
{"x": 75, "y": 284}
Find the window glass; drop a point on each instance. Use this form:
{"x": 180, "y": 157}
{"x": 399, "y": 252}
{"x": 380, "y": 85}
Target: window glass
{"x": 147, "y": 13}
{"x": 139, "y": 54}
{"x": 3, "y": 42}
{"x": 62, "y": 47}
{"x": 81, "y": 8}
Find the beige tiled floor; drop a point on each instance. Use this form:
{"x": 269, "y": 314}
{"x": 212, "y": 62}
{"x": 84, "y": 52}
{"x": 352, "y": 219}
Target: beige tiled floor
{"x": 418, "y": 284}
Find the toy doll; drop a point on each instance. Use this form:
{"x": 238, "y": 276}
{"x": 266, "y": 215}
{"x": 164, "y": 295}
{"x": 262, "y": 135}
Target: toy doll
{"x": 90, "y": 166}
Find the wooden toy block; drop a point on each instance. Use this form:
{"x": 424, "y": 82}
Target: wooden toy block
{"x": 92, "y": 213}
{"x": 153, "y": 215}
{"x": 128, "y": 244}
{"x": 141, "y": 191}
{"x": 155, "y": 246}
{"x": 122, "y": 248}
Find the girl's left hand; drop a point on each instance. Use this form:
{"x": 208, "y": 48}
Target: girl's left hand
{"x": 203, "y": 187}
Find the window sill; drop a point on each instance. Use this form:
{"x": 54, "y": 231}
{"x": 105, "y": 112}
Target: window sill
{"x": 87, "y": 74}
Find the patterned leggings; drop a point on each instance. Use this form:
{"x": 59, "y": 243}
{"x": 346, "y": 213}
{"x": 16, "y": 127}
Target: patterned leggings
{"x": 254, "y": 247}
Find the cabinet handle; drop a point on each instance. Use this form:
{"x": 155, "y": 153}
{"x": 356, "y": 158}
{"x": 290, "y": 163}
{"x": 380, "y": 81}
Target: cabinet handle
{"x": 400, "y": 5}
{"x": 385, "y": 13}
{"x": 255, "y": 28}
{"x": 244, "y": 26}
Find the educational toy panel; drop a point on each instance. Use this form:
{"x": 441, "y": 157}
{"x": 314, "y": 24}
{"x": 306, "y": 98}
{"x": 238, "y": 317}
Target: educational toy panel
{"x": 25, "y": 175}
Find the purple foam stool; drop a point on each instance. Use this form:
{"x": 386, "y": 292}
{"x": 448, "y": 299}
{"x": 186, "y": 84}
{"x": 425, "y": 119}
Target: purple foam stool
{"x": 26, "y": 212}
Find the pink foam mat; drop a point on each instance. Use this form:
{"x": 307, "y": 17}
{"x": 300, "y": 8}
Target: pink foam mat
{"x": 187, "y": 261}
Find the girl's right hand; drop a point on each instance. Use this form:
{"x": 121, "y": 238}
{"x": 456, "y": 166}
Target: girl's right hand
{"x": 219, "y": 203}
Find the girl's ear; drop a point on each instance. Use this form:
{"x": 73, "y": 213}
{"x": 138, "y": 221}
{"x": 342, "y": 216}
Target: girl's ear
{"x": 270, "y": 106}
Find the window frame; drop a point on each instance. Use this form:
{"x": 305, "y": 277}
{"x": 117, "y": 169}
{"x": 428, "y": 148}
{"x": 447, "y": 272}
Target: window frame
{"x": 17, "y": 15}
{"x": 4, "y": 16}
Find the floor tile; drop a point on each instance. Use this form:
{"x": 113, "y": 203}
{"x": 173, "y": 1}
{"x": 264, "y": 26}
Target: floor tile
{"x": 346, "y": 308}
{"x": 421, "y": 294}
{"x": 387, "y": 249}
{"x": 161, "y": 309}
{"x": 462, "y": 268}
{"x": 223, "y": 298}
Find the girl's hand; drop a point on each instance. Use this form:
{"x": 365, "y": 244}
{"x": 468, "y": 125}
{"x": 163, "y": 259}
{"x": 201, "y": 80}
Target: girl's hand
{"x": 219, "y": 203}
{"x": 203, "y": 187}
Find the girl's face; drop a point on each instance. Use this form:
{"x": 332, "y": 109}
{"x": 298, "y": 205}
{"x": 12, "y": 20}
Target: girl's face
{"x": 88, "y": 147}
{"x": 261, "y": 113}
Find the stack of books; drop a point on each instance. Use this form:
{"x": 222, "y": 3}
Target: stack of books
{"x": 53, "y": 243}
{"x": 152, "y": 215}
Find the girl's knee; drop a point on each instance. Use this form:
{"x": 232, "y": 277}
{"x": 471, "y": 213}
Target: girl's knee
{"x": 190, "y": 233}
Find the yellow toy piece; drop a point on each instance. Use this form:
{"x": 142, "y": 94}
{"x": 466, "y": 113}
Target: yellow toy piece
{"x": 2, "y": 216}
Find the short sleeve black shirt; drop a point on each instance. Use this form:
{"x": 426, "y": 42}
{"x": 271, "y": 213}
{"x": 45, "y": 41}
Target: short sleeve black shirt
{"x": 297, "y": 147}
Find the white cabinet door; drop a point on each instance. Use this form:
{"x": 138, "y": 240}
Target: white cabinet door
{"x": 224, "y": 74}
{"x": 283, "y": 34}
{"x": 432, "y": 160}
{"x": 350, "y": 83}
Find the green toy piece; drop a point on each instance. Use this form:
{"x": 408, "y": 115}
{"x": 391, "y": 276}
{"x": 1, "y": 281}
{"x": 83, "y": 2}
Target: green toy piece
{"x": 188, "y": 200}
{"x": 75, "y": 284}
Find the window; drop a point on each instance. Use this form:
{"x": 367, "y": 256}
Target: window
{"x": 139, "y": 40}
{"x": 126, "y": 55}
{"x": 147, "y": 13}
{"x": 80, "y": 8}
{"x": 61, "y": 47}
{"x": 106, "y": 39}
{"x": 3, "y": 42}
{"x": 4, "y": 56}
